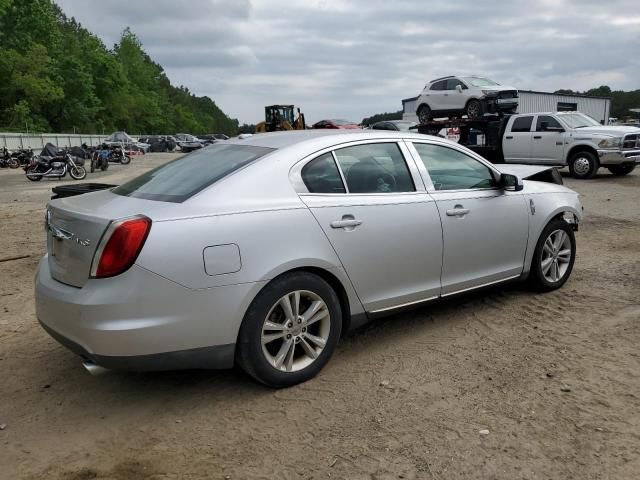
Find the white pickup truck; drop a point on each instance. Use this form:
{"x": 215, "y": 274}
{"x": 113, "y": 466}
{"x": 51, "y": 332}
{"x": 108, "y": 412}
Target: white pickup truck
{"x": 568, "y": 139}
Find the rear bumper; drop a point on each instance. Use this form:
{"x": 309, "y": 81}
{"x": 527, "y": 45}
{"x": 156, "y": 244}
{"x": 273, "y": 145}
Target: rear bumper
{"x": 142, "y": 321}
{"x": 618, "y": 157}
{"x": 220, "y": 356}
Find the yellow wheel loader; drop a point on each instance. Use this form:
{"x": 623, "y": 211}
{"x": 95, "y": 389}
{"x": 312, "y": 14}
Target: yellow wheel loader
{"x": 280, "y": 117}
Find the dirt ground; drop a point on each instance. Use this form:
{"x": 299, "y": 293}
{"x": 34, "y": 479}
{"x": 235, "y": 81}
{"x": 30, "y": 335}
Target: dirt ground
{"x": 554, "y": 378}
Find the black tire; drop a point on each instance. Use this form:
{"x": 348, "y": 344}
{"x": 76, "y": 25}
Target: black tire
{"x": 33, "y": 178}
{"x": 620, "y": 170}
{"x": 249, "y": 350}
{"x": 78, "y": 172}
{"x": 537, "y": 278}
{"x": 125, "y": 160}
{"x": 424, "y": 114}
{"x": 583, "y": 165}
{"x": 13, "y": 163}
{"x": 474, "y": 109}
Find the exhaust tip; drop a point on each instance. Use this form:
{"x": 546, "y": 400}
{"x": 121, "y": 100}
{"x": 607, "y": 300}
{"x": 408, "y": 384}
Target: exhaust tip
{"x": 94, "y": 369}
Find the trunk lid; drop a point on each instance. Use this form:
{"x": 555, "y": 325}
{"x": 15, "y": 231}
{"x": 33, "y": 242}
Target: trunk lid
{"x": 75, "y": 225}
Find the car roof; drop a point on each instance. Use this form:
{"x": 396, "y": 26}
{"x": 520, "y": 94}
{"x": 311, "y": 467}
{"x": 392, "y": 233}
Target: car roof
{"x": 322, "y": 138}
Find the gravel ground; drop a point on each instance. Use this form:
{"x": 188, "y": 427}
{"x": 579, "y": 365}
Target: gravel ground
{"x": 500, "y": 384}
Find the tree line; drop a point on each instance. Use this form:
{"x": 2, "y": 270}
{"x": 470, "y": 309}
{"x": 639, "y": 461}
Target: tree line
{"x": 56, "y": 76}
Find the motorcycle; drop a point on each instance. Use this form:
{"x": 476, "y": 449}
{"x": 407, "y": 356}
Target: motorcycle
{"x": 100, "y": 159}
{"x": 118, "y": 155}
{"x": 8, "y": 160}
{"x": 55, "y": 167}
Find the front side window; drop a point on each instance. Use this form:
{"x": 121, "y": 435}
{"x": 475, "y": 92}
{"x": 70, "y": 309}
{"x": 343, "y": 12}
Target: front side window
{"x": 451, "y": 169}
{"x": 522, "y": 124}
{"x": 549, "y": 121}
{"x": 321, "y": 175}
{"x": 374, "y": 168}
{"x": 452, "y": 84}
{"x": 181, "y": 179}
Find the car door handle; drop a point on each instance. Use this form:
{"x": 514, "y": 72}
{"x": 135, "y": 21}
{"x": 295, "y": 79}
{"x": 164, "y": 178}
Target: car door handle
{"x": 458, "y": 211}
{"x": 537, "y": 137}
{"x": 510, "y": 137}
{"x": 349, "y": 223}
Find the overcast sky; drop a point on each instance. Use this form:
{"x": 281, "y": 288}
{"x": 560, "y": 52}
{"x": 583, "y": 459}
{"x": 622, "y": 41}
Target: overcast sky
{"x": 353, "y": 58}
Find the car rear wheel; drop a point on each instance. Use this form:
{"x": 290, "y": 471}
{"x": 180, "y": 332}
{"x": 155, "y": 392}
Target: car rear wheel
{"x": 290, "y": 330}
{"x": 474, "y": 109}
{"x": 424, "y": 114}
{"x": 583, "y": 165}
{"x": 620, "y": 170}
{"x": 554, "y": 256}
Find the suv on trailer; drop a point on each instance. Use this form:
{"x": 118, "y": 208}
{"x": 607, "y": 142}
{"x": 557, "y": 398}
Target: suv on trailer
{"x": 471, "y": 96}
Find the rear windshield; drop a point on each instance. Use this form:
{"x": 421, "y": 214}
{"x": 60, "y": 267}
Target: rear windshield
{"x": 181, "y": 179}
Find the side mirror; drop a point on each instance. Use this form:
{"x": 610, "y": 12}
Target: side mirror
{"x": 459, "y": 88}
{"x": 511, "y": 183}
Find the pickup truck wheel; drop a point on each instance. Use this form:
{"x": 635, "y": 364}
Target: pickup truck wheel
{"x": 424, "y": 114}
{"x": 554, "y": 256}
{"x": 583, "y": 165}
{"x": 474, "y": 109}
{"x": 621, "y": 170}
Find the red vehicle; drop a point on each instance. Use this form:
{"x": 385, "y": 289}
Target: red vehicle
{"x": 335, "y": 123}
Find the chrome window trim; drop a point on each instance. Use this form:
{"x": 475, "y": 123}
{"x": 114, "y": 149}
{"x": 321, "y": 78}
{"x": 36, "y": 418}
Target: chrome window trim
{"x": 427, "y": 178}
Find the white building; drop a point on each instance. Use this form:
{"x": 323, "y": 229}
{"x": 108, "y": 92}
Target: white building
{"x": 532, "y": 102}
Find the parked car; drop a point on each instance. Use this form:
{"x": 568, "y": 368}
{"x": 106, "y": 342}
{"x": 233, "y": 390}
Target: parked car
{"x": 126, "y": 142}
{"x": 458, "y": 95}
{"x": 262, "y": 251}
{"x": 188, "y": 143}
{"x": 570, "y": 139}
{"x": 336, "y": 124}
{"x": 160, "y": 143}
{"x": 395, "y": 125}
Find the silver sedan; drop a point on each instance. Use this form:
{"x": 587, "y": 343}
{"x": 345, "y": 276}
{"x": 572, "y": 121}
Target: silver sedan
{"x": 263, "y": 251}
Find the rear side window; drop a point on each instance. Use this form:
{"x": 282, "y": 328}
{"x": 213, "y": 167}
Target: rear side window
{"x": 321, "y": 175}
{"x": 374, "y": 168}
{"x": 522, "y": 124}
{"x": 181, "y": 179}
{"x": 441, "y": 85}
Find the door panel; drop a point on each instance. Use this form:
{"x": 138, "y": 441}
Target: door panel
{"x": 484, "y": 228}
{"x": 390, "y": 245}
{"x": 484, "y": 235}
{"x": 547, "y": 147}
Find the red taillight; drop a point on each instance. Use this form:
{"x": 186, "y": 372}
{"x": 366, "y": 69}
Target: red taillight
{"x": 120, "y": 246}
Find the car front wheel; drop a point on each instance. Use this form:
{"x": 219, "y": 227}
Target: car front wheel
{"x": 474, "y": 109}
{"x": 290, "y": 330}
{"x": 554, "y": 256}
{"x": 583, "y": 165}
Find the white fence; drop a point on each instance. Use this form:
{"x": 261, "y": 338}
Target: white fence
{"x": 13, "y": 141}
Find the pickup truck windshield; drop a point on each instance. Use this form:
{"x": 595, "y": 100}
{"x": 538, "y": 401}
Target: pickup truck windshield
{"x": 578, "y": 120}
{"x": 179, "y": 180}
{"x": 480, "y": 82}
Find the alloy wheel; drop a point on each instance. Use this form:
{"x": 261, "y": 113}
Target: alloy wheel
{"x": 556, "y": 256}
{"x": 295, "y": 331}
{"x": 581, "y": 165}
